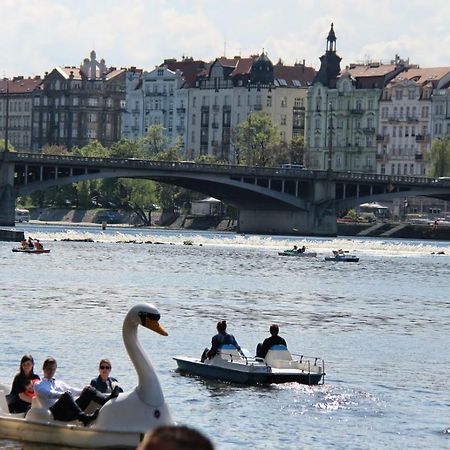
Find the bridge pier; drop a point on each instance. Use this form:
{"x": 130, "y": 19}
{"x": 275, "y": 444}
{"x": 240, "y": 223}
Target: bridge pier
{"x": 7, "y": 194}
{"x": 289, "y": 222}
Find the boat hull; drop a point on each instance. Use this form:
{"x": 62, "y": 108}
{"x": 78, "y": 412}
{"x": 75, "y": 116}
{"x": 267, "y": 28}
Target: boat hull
{"x": 262, "y": 375}
{"x": 298, "y": 254}
{"x": 342, "y": 258}
{"x": 22, "y": 250}
{"x": 65, "y": 434}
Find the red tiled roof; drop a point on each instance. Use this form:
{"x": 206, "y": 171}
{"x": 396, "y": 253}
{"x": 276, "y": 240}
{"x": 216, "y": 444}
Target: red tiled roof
{"x": 20, "y": 85}
{"x": 243, "y": 66}
{"x": 368, "y": 70}
{"x": 189, "y": 68}
{"x": 422, "y": 76}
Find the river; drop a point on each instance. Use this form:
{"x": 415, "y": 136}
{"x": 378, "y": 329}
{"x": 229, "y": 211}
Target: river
{"x": 381, "y": 326}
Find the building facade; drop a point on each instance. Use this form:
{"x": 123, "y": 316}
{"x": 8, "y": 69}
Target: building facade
{"x": 18, "y": 95}
{"x": 413, "y": 112}
{"x": 342, "y": 112}
{"x": 76, "y": 105}
{"x": 231, "y": 90}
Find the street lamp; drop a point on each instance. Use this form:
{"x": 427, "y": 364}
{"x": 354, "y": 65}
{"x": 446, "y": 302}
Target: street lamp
{"x": 330, "y": 139}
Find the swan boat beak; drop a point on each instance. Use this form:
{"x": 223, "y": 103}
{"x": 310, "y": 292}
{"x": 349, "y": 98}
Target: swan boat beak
{"x": 151, "y": 321}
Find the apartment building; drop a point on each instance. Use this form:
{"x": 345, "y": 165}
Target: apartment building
{"x": 76, "y": 105}
{"x": 18, "y": 94}
{"x": 413, "y": 112}
{"x": 342, "y": 112}
{"x": 231, "y": 90}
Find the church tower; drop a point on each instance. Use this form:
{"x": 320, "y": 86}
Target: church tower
{"x": 330, "y": 62}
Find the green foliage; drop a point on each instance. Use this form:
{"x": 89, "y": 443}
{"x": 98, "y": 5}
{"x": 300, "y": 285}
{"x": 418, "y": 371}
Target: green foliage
{"x": 205, "y": 159}
{"x": 54, "y": 150}
{"x": 155, "y": 141}
{"x": 10, "y": 146}
{"x": 256, "y": 138}
{"x": 127, "y": 148}
{"x": 439, "y": 158}
{"x": 93, "y": 150}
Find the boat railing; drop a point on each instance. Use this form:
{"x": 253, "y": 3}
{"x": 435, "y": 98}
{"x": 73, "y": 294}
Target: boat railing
{"x": 311, "y": 362}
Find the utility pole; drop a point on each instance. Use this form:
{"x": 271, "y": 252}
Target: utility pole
{"x": 330, "y": 139}
{"x": 7, "y": 115}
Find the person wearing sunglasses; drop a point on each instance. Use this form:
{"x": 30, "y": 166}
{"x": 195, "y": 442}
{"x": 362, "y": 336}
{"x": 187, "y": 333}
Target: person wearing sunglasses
{"x": 104, "y": 384}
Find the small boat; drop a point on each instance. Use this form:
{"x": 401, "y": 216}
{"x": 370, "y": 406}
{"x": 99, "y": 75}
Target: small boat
{"x": 279, "y": 366}
{"x": 342, "y": 258}
{"x": 298, "y": 254}
{"x": 30, "y": 250}
{"x": 122, "y": 421}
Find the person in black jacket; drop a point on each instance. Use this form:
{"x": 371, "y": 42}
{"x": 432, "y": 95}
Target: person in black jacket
{"x": 105, "y": 384}
{"x": 221, "y": 338}
{"x": 274, "y": 339}
{"x": 18, "y": 401}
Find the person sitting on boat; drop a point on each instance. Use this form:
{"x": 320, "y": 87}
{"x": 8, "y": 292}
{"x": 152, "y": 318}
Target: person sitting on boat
{"x": 18, "y": 400}
{"x": 302, "y": 249}
{"x": 295, "y": 249}
{"x": 30, "y": 243}
{"x": 23, "y": 244}
{"x": 274, "y": 339}
{"x": 339, "y": 252}
{"x": 221, "y": 338}
{"x": 59, "y": 396}
{"x": 38, "y": 245}
{"x": 107, "y": 386}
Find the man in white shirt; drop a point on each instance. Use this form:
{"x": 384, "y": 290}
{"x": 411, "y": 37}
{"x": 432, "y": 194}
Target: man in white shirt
{"x": 59, "y": 396}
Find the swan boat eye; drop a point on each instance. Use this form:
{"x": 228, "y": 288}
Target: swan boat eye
{"x": 150, "y": 316}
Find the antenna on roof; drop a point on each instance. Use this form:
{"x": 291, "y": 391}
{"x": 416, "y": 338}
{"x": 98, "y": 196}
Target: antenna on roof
{"x": 225, "y": 48}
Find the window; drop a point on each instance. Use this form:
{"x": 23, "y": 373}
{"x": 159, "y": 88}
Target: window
{"x": 269, "y": 101}
{"x": 384, "y": 113}
{"x": 92, "y": 101}
{"x": 193, "y": 119}
{"x": 194, "y": 101}
{"x": 284, "y": 102}
{"x": 399, "y": 94}
{"x": 283, "y": 119}
{"x": 75, "y": 101}
{"x": 298, "y": 102}
{"x": 382, "y": 169}
{"x": 370, "y": 104}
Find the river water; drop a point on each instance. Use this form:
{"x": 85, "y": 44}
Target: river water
{"x": 382, "y": 326}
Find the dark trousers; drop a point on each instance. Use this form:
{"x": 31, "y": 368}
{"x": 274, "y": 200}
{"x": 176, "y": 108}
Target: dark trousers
{"x": 67, "y": 409}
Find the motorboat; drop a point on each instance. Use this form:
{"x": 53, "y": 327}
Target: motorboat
{"x": 296, "y": 253}
{"x": 30, "y": 250}
{"x": 279, "y": 366}
{"x": 342, "y": 257}
{"x": 122, "y": 421}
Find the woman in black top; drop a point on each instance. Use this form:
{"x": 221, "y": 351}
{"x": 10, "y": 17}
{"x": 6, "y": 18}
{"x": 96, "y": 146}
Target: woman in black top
{"x": 104, "y": 383}
{"x": 18, "y": 401}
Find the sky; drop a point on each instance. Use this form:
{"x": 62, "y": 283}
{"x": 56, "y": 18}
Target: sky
{"x": 38, "y": 35}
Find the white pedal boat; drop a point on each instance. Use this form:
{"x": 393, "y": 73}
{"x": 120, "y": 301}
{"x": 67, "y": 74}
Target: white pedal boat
{"x": 122, "y": 422}
{"x": 279, "y": 366}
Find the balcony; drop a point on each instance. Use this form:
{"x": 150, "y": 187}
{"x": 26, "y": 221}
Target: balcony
{"x": 257, "y": 107}
{"x": 383, "y": 138}
{"x": 418, "y": 157}
{"x": 393, "y": 119}
{"x": 422, "y": 138}
{"x": 181, "y": 110}
{"x": 357, "y": 111}
{"x": 412, "y": 119}
{"x": 369, "y": 130}
{"x": 380, "y": 157}
{"x": 180, "y": 128}
{"x": 215, "y": 125}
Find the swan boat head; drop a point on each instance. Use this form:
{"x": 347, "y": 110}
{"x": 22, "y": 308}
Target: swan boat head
{"x": 144, "y": 407}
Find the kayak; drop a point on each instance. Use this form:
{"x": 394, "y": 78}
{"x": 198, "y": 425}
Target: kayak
{"x": 342, "y": 258}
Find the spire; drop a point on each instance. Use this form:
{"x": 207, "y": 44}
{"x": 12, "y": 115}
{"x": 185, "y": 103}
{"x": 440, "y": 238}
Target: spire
{"x": 331, "y": 40}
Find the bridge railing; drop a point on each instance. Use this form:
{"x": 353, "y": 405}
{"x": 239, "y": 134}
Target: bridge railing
{"x": 231, "y": 169}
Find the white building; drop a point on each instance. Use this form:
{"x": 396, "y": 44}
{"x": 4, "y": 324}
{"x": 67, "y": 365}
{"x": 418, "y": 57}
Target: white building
{"x": 412, "y": 113}
{"x": 231, "y": 90}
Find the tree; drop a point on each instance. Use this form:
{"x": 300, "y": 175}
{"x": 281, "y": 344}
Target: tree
{"x": 439, "y": 158}
{"x": 257, "y": 137}
{"x": 2, "y": 146}
{"x": 297, "y": 150}
{"x": 155, "y": 141}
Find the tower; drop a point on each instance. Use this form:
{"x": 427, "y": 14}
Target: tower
{"x": 330, "y": 62}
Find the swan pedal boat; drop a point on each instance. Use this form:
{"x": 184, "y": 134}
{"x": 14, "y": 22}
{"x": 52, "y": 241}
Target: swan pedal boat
{"x": 122, "y": 422}
{"x": 298, "y": 254}
{"x": 342, "y": 258}
{"x": 30, "y": 250}
{"x": 279, "y": 366}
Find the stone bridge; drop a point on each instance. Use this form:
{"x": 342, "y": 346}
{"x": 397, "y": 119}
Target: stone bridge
{"x": 269, "y": 200}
